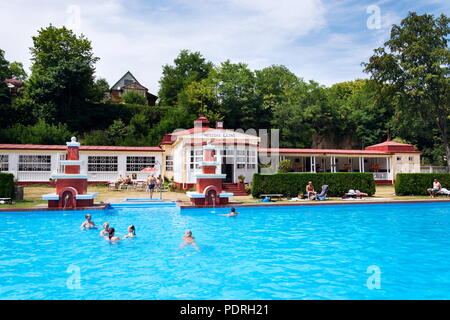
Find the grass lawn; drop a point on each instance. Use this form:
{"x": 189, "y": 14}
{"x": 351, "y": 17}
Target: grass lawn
{"x": 32, "y": 195}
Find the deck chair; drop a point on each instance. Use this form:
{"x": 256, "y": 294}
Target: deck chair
{"x": 323, "y": 195}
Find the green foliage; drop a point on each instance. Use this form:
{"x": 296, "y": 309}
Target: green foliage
{"x": 414, "y": 65}
{"x": 6, "y": 185}
{"x": 39, "y": 133}
{"x": 418, "y": 183}
{"x": 133, "y": 97}
{"x": 99, "y": 89}
{"x": 17, "y": 71}
{"x": 285, "y": 166}
{"x": 188, "y": 67}
{"x": 291, "y": 184}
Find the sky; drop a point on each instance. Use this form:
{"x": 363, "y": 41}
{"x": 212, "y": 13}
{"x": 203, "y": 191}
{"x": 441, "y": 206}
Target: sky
{"x": 321, "y": 40}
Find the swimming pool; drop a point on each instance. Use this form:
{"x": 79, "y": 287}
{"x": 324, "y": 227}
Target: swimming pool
{"x": 305, "y": 252}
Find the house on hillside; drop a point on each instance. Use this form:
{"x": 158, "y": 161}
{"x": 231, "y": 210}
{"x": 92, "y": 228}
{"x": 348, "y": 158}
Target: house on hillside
{"x": 14, "y": 86}
{"x": 129, "y": 83}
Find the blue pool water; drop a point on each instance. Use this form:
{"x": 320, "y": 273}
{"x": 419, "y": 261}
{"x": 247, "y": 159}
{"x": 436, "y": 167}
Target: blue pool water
{"x": 305, "y": 252}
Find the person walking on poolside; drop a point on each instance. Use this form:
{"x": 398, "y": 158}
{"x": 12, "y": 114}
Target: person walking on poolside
{"x": 436, "y": 188}
{"x": 131, "y": 232}
{"x": 111, "y": 236}
{"x": 151, "y": 181}
{"x": 189, "y": 239}
{"x": 104, "y": 232}
{"x": 88, "y": 223}
{"x": 310, "y": 191}
{"x": 233, "y": 213}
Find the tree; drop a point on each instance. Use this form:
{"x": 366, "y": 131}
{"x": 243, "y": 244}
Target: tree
{"x": 99, "y": 89}
{"x": 133, "y": 97}
{"x": 17, "y": 71}
{"x": 188, "y": 67}
{"x": 414, "y": 64}
{"x": 62, "y": 75}
{"x": 39, "y": 133}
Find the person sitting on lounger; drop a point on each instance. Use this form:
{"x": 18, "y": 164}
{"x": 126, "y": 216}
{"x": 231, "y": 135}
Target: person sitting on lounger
{"x": 310, "y": 191}
{"x": 436, "y": 188}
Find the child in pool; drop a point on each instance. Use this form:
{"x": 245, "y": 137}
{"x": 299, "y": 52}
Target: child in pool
{"x": 189, "y": 239}
{"x": 111, "y": 236}
{"x": 88, "y": 223}
{"x": 104, "y": 232}
{"x": 131, "y": 232}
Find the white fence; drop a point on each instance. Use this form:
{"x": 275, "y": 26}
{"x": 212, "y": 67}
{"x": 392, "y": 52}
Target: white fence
{"x": 434, "y": 169}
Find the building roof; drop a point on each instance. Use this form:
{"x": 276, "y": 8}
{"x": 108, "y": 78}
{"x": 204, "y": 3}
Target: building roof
{"x": 322, "y": 151}
{"x": 127, "y": 73}
{"x": 82, "y": 148}
{"x": 393, "y": 147}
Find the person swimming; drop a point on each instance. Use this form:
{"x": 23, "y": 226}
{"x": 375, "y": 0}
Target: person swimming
{"x": 104, "y": 232}
{"x": 233, "y": 213}
{"x": 189, "y": 239}
{"x": 131, "y": 232}
{"x": 111, "y": 236}
{"x": 88, "y": 223}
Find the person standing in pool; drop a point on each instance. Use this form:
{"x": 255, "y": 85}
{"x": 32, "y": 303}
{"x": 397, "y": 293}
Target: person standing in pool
{"x": 88, "y": 223}
{"x": 104, "y": 232}
{"x": 111, "y": 236}
{"x": 131, "y": 232}
{"x": 233, "y": 213}
{"x": 189, "y": 239}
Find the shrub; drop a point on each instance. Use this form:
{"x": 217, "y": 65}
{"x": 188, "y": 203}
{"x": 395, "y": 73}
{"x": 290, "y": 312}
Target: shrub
{"x": 418, "y": 183}
{"x": 291, "y": 184}
{"x": 6, "y": 185}
{"x": 285, "y": 166}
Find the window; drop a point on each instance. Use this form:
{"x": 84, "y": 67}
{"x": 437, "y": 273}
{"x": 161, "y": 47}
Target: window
{"x": 169, "y": 163}
{"x": 62, "y": 157}
{"x": 241, "y": 165}
{"x": 35, "y": 163}
{"x": 102, "y": 164}
{"x": 4, "y": 165}
{"x": 139, "y": 163}
{"x": 196, "y": 158}
{"x": 411, "y": 159}
{"x": 127, "y": 82}
{"x": 399, "y": 158}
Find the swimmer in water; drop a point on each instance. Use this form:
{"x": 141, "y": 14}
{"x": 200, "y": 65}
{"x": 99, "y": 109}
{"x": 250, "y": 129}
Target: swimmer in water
{"x": 189, "y": 239}
{"x": 131, "y": 232}
{"x": 104, "y": 232}
{"x": 111, "y": 236}
{"x": 88, "y": 223}
{"x": 233, "y": 213}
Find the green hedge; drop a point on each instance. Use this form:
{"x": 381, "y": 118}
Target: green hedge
{"x": 6, "y": 185}
{"x": 291, "y": 184}
{"x": 418, "y": 183}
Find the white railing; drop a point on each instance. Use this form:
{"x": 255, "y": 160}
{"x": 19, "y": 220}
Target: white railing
{"x": 434, "y": 169}
{"x": 33, "y": 176}
{"x": 382, "y": 176}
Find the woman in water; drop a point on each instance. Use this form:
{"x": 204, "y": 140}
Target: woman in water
{"x": 88, "y": 223}
{"x": 131, "y": 232}
{"x": 233, "y": 213}
{"x": 111, "y": 236}
{"x": 104, "y": 232}
{"x": 189, "y": 239}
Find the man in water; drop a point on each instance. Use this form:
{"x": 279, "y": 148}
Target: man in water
{"x": 436, "y": 188}
{"x": 233, "y": 213}
{"x": 189, "y": 239}
{"x": 88, "y": 223}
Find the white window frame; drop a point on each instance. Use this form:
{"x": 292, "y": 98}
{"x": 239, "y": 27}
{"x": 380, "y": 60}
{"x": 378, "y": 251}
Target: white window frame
{"x": 139, "y": 163}
{"x": 4, "y": 162}
{"x": 111, "y": 166}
